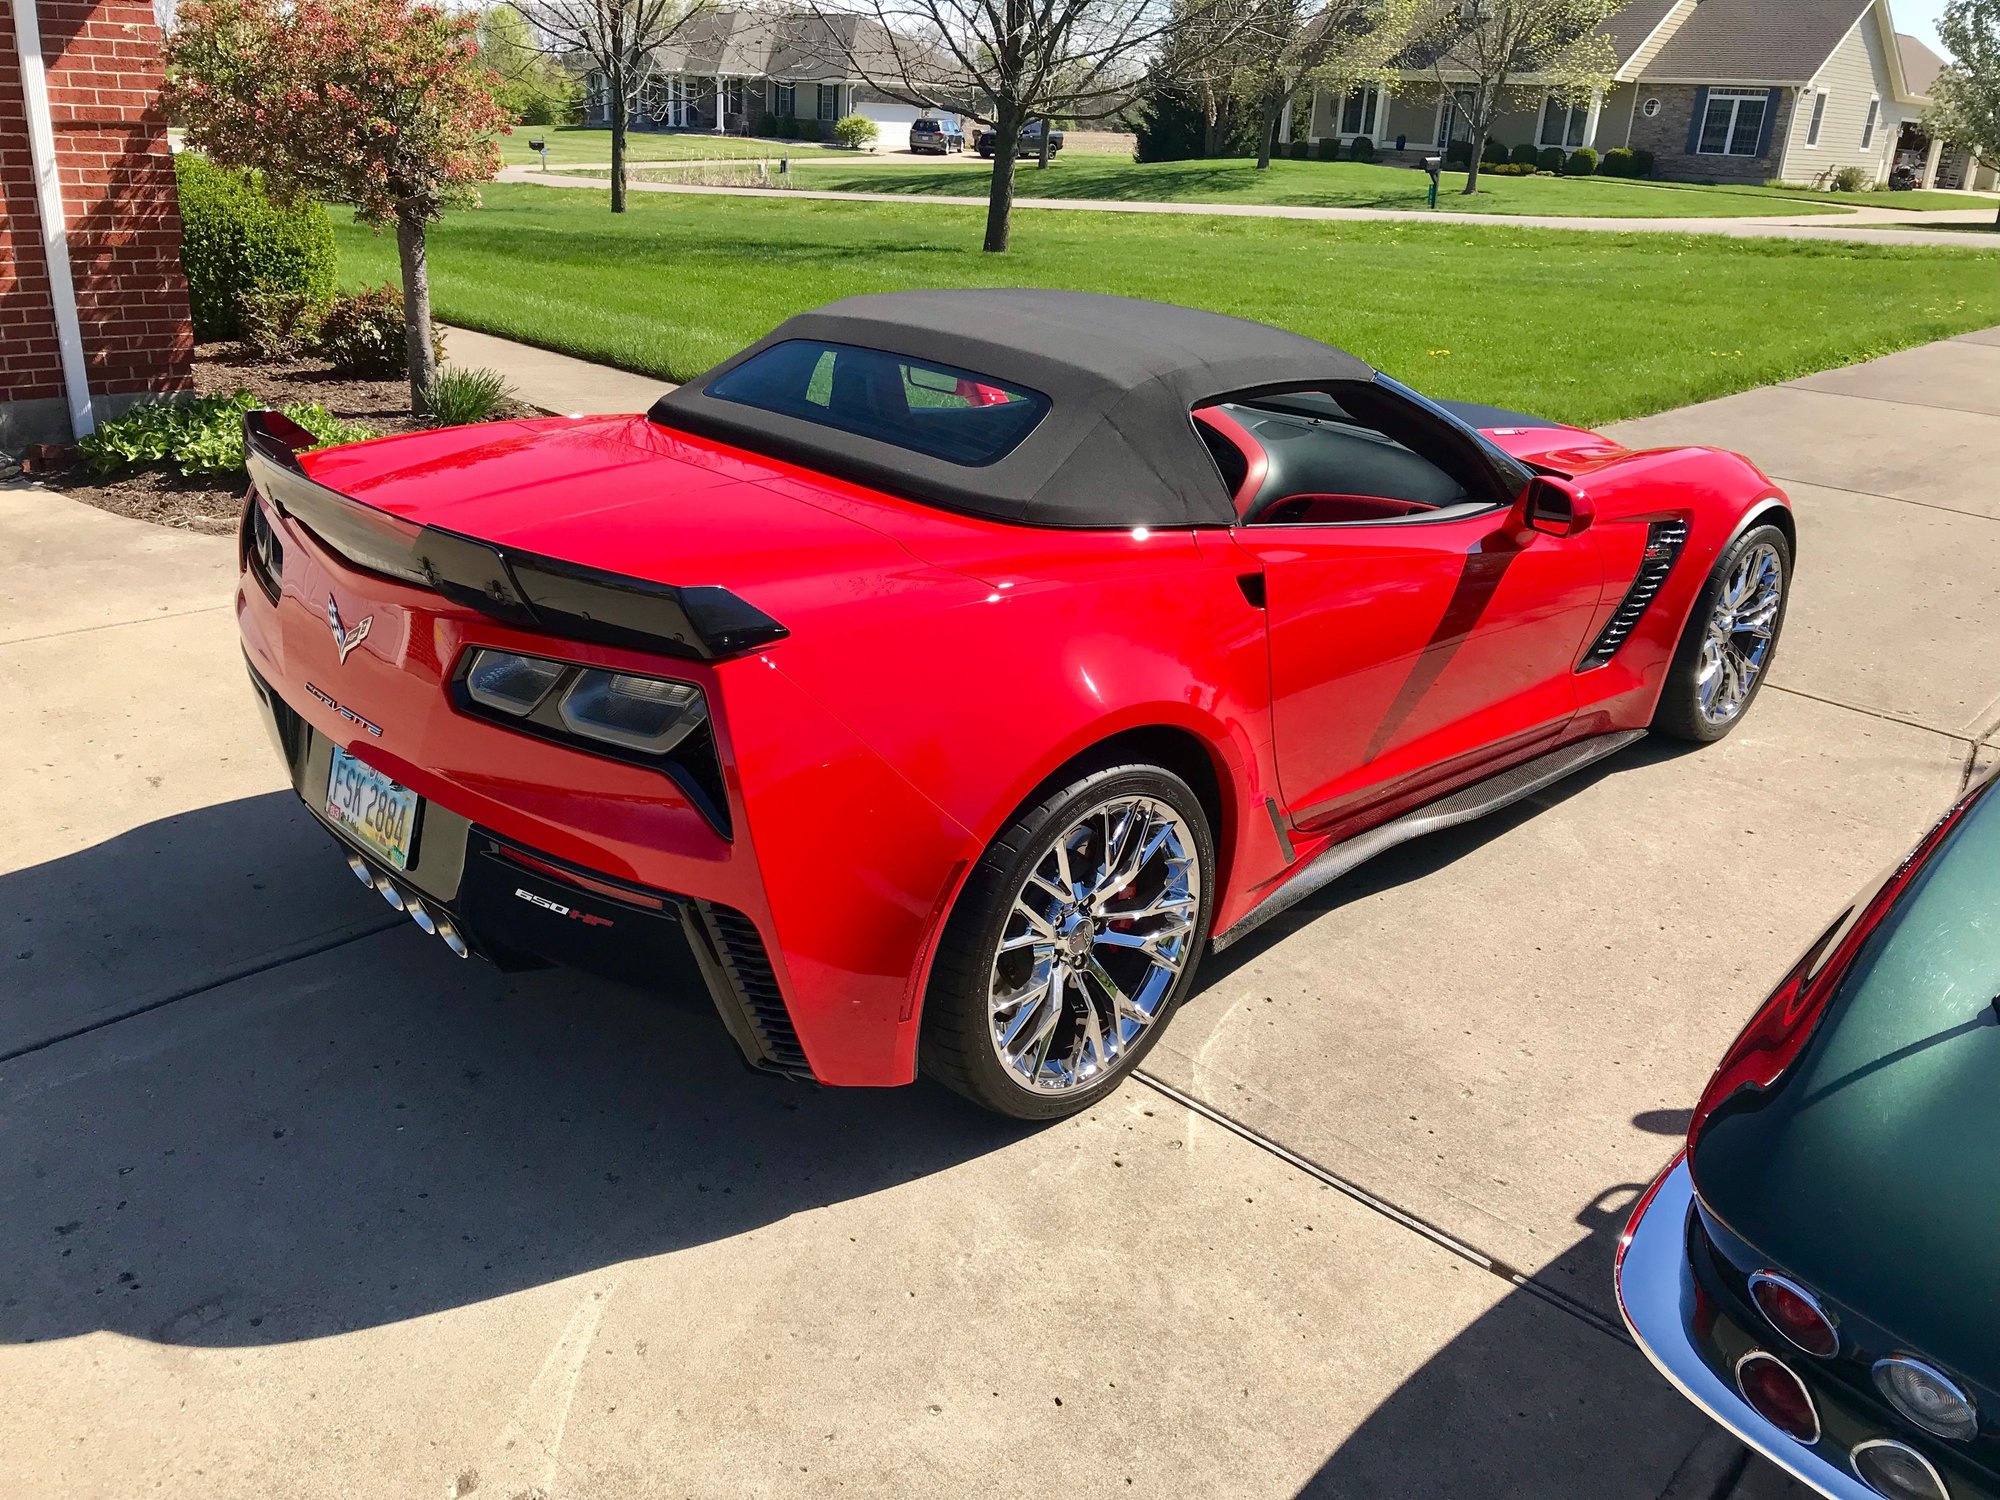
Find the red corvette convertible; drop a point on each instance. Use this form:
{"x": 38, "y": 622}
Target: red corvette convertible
{"x": 943, "y": 674}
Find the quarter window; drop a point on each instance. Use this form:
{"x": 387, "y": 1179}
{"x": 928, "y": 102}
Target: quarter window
{"x": 1734, "y": 122}
{"x": 1818, "y": 119}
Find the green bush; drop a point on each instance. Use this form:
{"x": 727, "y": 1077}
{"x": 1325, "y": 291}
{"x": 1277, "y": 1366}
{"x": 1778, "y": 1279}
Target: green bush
{"x": 362, "y": 335}
{"x": 788, "y": 128}
{"x": 458, "y": 397}
{"x": 1508, "y": 169}
{"x": 1617, "y": 163}
{"x": 1327, "y": 148}
{"x": 1582, "y": 163}
{"x": 1853, "y": 180}
{"x": 1493, "y": 154}
{"x": 855, "y": 131}
{"x": 1299, "y": 150}
{"x": 1642, "y": 164}
{"x": 280, "y": 323}
{"x": 1361, "y": 149}
{"x": 201, "y": 438}
{"x": 234, "y": 237}
{"x": 1526, "y": 155}
{"x": 1458, "y": 154}
{"x": 809, "y": 130}
{"x": 1551, "y": 159}
{"x": 767, "y": 125}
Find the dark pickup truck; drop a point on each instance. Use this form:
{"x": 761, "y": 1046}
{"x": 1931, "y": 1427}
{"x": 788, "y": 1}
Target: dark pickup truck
{"x": 1031, "y": 140}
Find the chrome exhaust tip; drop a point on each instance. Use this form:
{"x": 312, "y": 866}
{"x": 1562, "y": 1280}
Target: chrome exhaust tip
{"x": 451, "y": 938}
{"x": 361, "y": 871}
{"x": 419, "y": 914}
{"x": 387, "y": 891}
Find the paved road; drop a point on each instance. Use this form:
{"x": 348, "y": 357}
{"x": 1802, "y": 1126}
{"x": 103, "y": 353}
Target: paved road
{"x": 293, "y": 1203}
{"x": 1865, "y": 225}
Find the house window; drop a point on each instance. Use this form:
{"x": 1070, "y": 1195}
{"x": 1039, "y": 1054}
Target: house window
{"x": 1563, "y": 124}
{"x": 1818, "y": 119}
{"x": 732, "y": 96}
{"x": 1455, "y": 116}
{"x": 1357, "y": 112}
{"x": 783, "y": 105}
{"x": 829, "y": 101}
{"x": 1734, "y": 122}
{"x": 1868, "y": 126}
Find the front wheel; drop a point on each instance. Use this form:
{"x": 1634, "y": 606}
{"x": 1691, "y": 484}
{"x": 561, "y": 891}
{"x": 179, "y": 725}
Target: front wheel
{"x": 1729, "y": 640}
{"x": 1075, "y": 937}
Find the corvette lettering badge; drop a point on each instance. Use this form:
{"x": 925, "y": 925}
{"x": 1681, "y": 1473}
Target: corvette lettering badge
{"x": 345, "y": 640}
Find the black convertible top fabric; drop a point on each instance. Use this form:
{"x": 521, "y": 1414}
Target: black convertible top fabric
{"x": 1117, "y": 447}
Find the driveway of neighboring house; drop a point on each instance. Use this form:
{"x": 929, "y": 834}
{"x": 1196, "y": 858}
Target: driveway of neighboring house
{"x": 296, "y": 1203}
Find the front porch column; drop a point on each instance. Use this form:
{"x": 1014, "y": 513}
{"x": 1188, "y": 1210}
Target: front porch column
{"x": 1590, "y": 124}
{"x": 721, "y": 122}
{"x": 1932, "y": 157}
{"x": 1285, "y": 124}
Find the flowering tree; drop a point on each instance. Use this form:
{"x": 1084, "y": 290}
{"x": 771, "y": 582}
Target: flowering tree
{"x": 1965, "y": 99}
{"x": 382, "y": 104}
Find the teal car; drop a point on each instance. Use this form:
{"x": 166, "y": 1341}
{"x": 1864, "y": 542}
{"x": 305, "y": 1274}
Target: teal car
{"x": 1820, "y": 1268}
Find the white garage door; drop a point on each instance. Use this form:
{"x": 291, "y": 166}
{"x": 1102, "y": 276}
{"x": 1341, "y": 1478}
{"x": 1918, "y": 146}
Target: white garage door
{"x": 892, "y": 120}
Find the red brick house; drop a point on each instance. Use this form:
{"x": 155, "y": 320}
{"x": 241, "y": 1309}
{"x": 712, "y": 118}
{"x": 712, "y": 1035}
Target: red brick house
{"x": 93, "y": 307}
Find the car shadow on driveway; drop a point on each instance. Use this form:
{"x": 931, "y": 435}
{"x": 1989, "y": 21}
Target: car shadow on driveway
{"x": 379, "y": 1130}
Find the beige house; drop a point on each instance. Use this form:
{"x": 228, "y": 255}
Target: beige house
{"x": 1716, "y": 90}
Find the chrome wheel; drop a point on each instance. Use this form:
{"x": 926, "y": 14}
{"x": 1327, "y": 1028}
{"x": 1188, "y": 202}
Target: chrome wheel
{"x": 1099, "y": 931}
{"x": 1741, "y": 631}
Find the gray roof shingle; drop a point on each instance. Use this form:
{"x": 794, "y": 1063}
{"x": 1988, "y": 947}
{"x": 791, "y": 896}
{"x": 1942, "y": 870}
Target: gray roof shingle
{"x": 1921, "y": 66}
{"x": 1766, "y": 41}
{"x": 770, "y": 44}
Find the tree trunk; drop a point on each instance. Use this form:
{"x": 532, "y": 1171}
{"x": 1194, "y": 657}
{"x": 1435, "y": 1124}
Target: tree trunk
{"x": 618, "y": 124}
{"x": 1000, "y": 196}
{"x": 1472, "y": 167}
{"x": 1211, "y": 133}
{"x": 1267, "y": 128}
{"x": 1048, "y": 129}
{"x": 416, "y": 307}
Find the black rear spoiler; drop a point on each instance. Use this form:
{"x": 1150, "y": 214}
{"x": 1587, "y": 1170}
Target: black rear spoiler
{"x": 518, "y": 588}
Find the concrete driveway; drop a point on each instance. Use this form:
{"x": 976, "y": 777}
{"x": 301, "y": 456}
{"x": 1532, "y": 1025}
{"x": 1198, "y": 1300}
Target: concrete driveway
{"x": 294, "y": 1204}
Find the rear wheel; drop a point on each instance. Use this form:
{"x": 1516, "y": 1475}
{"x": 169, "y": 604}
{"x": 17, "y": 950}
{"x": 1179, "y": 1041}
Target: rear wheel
{"x": 1075, "y": 937}
{"x": 1730, "y": 638}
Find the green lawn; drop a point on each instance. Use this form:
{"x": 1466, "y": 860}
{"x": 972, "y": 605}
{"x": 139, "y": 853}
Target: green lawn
{"x": 1587, "y": 327}
{"x": 1304, "y": 184}
{"x": 570, "y": 144}
{"x": 1910, "y": 202}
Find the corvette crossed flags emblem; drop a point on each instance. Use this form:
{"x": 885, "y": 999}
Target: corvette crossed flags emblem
{"x": 346, "y": 640}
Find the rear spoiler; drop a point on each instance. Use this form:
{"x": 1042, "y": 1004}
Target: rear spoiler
{"x": 524, "y": 589}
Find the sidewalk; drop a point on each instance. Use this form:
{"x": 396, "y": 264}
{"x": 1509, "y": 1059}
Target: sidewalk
{"x": 1874, "y": 226}
{"x": 554, "y": 382}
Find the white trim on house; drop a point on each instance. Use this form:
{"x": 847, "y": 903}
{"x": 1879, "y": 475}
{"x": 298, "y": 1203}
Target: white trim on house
{"x": 49, "y": 209}
{"x": 1674, "y": 18}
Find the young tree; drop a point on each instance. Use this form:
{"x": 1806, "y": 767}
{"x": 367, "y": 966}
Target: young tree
{"x": 616, "y": 39}
{"x": 1484, "y": 51}
{"x": 382, "y": 104}
{"x": 1965, "y": 99}
{"x": 1009, "y": 62}
{"x": 535, "y": 89}
{"x": 1336, "y": 45}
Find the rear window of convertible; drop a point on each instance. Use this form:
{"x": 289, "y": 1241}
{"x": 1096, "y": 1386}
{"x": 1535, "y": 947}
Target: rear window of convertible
{"x": 936, "y": 410}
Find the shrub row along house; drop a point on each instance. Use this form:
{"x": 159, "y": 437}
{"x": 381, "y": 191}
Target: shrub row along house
{"x": 747, "y": 72}
{"x": 1715, "y": 90}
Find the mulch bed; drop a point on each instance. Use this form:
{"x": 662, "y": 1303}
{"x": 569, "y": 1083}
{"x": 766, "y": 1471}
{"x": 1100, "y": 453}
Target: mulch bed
{"x": 210, "y": 505}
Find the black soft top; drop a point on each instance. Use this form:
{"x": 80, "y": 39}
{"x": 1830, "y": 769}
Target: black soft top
{"x": 1117, "y": 447}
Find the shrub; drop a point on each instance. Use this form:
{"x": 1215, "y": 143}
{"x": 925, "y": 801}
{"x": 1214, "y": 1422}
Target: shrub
{"x": 1582, "y": 163}
{"x": 1853, "y": 180}
{"x": 279, "y": 323}
{"x": 1642, "y": 164}
{"x": 198, "y": 438}
{"x": 235, "y": 236}
{"x": 1617, "y": 162}
{"x": 809, "y": 130}
{"x": 1526, "y": 155}
{"x": 1551, "y": 159}
{"x": 1509, "y": 169}
{"x": 1458, "y": 154}
{"x": 1327, "y": 148}
{"x": 1493, "y": 154}
{"x": 1361, "y": 149}
{"x": 788, "y": 128}
{"x": 1299, "y": 150}
{"x": 362, "y": 335}
{"x": 458, "y": 397}
{"x": 855, "y": 131}
{"x": 767, "y": 124}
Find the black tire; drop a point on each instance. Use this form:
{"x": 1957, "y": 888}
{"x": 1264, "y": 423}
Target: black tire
{"x": 955, "y": 1045}
{"x": 1679, "y": 714}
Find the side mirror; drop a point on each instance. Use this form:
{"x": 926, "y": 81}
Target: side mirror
{"x": 1556, "y": 507}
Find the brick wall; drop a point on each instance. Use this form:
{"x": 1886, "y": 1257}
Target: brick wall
{"x": 1666, "y": 136}
{"x": 117, "y": 183}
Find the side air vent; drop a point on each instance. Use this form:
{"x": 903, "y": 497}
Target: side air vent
{"x": 749, "y": 969}
{"x": 1664, "y": 540}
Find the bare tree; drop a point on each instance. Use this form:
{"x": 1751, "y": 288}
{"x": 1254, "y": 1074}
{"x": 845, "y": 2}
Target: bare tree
{"x": 1006, "y": 63}
{"x": 1481, "y": 52}
{"x": 1337, "y": 45}
{"x": 616, "y": 39}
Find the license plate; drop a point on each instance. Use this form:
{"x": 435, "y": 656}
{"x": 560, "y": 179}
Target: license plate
{"x": 378, "y": 812}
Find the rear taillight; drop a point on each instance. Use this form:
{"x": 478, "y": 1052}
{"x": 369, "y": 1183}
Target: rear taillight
{"x": 1778, "y": 1396}
{"x": 1795, "y": 1312}
{"x": 1928, "y": 1397}
{"x": 1897, "y": 1471}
